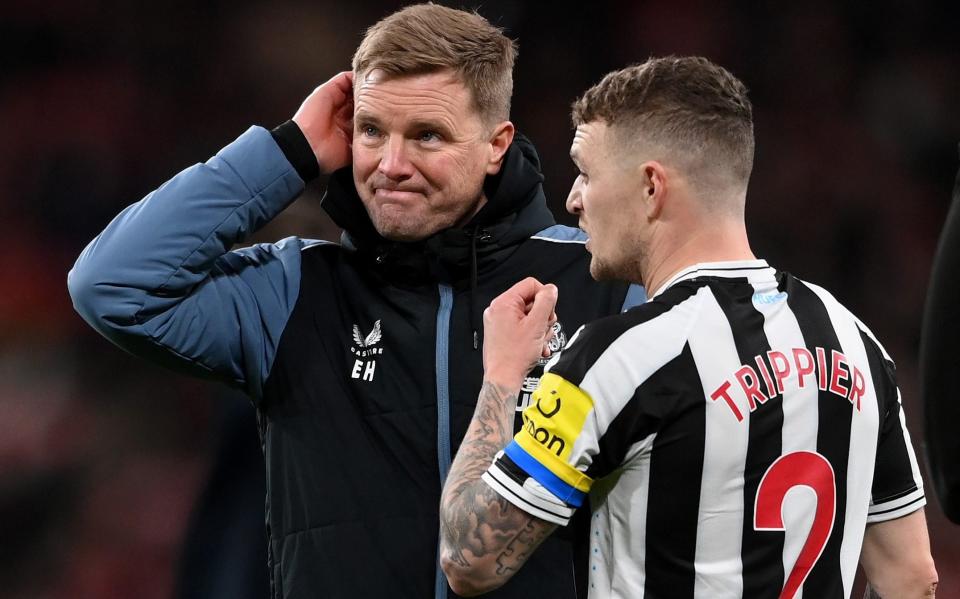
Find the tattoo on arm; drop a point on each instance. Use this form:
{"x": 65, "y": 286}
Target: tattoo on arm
{"x": 476, "y": 523}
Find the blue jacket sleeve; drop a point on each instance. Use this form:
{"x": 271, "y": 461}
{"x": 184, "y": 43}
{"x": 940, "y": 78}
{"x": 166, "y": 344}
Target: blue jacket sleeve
{"x": 160, "y": 282}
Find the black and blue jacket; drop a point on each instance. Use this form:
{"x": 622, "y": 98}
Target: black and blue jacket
{"x": 362, "y": 358}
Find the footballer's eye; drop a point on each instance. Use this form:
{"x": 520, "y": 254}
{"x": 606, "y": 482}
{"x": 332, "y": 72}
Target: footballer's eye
{"x": 429, "y": 136}
{"x": 369, "y": 130}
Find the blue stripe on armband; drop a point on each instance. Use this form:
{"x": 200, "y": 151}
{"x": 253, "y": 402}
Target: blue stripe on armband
{"x": 543, "y": 475}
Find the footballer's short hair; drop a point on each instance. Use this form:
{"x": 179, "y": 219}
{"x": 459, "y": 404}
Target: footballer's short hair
{"x": 694, "y": 110}
{"x": 427, "y": 38}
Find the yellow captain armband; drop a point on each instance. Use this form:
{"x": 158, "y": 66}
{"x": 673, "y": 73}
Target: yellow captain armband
{"x": 551, "y": 426}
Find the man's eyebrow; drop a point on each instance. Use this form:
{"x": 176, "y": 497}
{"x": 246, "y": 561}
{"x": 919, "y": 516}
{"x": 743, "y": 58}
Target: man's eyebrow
{"x": 428, "y": 124}
{"x": 365, "y": 117}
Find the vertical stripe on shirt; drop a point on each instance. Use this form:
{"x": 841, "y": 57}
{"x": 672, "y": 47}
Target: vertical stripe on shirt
{"x": 676, "y": 462}
{"x": 718, "y": 565}
{"x": 834, "y": 416}
{"x": 764, "y": 445}
{"x": 862, "y": 440}
{"x": 800, "y": 415}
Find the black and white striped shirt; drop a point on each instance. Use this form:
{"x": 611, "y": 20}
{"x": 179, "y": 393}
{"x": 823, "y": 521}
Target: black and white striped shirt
{"x": 734, "y": 435}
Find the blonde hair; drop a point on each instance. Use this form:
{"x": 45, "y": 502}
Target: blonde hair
{"x": 693, "y": 107}
{"x": 426, "y": 38}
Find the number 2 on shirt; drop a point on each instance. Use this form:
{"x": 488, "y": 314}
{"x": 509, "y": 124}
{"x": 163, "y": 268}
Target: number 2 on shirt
{"x": 806, "y": 469}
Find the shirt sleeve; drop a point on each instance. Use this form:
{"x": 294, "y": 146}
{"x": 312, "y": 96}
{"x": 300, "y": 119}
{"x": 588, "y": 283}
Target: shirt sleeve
{"x": 897, "y": 485}
{"x": 597, "y": 408}
{"x": 160, "y": 281}
{"x": 543, "y": 470}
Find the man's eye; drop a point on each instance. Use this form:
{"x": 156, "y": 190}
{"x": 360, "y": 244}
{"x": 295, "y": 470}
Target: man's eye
{"x": 370, "y": 131}
{"x": 428, "y": 136}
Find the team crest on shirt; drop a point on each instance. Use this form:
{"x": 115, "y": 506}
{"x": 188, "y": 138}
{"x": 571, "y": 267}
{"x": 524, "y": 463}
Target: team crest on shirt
{"x": 532, "y": 380}
{"x": 365, "y": 351}
{"x": 558, "y": 342}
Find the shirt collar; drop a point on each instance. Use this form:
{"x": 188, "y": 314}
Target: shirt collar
{"x": 736, "y": 269}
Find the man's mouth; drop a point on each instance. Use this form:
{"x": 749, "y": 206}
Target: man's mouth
{"x": 585, "y": 232}
{"x": 396, "y": 195}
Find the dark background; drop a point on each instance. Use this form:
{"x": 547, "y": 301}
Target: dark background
{"x": 102, "y": 457}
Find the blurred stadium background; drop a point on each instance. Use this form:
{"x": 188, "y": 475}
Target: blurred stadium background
{"x": 103, "y": 458}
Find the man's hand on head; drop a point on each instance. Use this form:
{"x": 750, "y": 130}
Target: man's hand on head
{"x": 517, "y": 326}
{"x": 326, "y": 119}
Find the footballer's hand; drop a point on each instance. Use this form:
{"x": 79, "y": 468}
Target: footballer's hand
{"x": 517, "y": 326}
{"x": 326, "y": 119}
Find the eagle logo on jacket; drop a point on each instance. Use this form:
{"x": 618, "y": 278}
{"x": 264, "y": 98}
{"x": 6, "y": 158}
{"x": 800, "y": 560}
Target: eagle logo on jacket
{"x": 372, "y": 339}
{"x": 365, "y": 366}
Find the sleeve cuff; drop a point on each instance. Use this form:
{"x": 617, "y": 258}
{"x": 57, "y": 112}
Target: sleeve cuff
{"x": 896, "y": 507}
{"x": 297, "y": 150}
{"x": 526, "y": 493}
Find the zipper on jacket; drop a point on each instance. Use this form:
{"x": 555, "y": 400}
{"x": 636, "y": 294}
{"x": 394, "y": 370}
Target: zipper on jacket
{"x": 443, "y": 408}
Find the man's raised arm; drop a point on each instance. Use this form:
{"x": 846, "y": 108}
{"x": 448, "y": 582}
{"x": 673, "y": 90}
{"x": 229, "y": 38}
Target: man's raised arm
{"x": 160, "y": 280}
{"x": 485, "y": 539}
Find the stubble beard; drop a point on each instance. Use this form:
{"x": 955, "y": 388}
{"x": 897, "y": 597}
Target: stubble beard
{"x": 399, "y": 227}
{"x": 599, "y": 270}
{"x": 629, "y": 269}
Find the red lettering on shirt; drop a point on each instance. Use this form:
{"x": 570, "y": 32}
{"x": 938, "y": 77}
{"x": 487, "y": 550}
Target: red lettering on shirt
{"x": 858, "y": 388}
{"x": 838, "y": 373}
{"x": 822, "y": 368}
{"x": 721, "y": 391}
{"x": 804, "y": 362}
{"x": 781, "y": 367}
{"x": 752, "y": 388}
{"x": 765, "y": 373}
{"x": 836, "y": 379}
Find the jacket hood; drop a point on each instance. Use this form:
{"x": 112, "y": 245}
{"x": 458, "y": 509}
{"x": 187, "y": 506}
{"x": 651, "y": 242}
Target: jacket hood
{"x": 516, "y": 208}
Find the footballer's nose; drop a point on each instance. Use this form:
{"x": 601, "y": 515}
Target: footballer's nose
{"x": 574, "y": 203}
{"x": 394, "y": 162}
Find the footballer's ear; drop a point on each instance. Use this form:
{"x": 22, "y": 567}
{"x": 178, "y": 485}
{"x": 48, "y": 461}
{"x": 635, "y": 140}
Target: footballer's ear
{"x": 500, "y": 140}
{"x": 653, "y": 188}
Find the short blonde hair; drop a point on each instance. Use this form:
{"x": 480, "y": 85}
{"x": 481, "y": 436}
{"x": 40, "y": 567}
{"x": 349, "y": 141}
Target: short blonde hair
{"x": 426, "y": 38}
{"x": 687, "y": 104}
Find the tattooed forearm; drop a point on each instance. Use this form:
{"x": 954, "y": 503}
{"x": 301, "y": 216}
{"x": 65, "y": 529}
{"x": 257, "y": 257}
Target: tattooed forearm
{"x": 520, "y": 548}
{"x": 484, "y": 537}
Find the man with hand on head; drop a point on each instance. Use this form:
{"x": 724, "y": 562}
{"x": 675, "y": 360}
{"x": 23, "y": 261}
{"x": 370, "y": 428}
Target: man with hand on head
{"x": 362, "y": 358}
{"x": 739, "y": 435}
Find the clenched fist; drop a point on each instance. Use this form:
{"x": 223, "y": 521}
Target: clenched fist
{"x": 517, "y": 326}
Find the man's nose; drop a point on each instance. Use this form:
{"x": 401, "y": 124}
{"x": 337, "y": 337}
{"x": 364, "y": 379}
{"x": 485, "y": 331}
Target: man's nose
{"x": 394, "y": 162}
{"x": 574, "y": 201}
